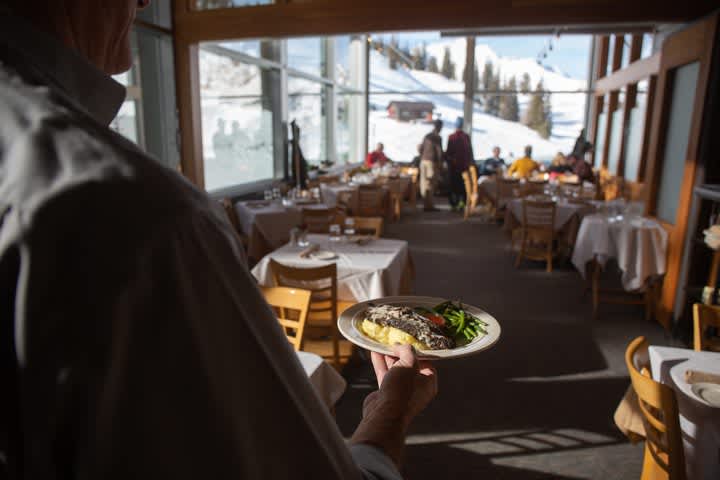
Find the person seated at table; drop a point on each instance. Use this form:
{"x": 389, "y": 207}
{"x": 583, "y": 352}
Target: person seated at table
{"x": 581, "y": 168}
{"x": 525, "y": 166}
{"x": 491, "y": 165}
{"x": 146, "y": 349}
{"x": 559, "y": 165}
{"x": 377, "y": 157}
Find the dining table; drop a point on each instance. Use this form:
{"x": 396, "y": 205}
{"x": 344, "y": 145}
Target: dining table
{"x": 267, "y": 223}
{"x": 699, "y": 420}
{"x": 326, "y": 381}
{"x": 367, "y": 268}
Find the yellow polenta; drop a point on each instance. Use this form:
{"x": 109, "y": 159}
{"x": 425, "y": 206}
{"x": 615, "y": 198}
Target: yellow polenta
{"x": 389, "y": 335}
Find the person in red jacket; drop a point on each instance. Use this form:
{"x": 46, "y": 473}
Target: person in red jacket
{"x": 459, "y": 157}
{"x": 376, "y": 157}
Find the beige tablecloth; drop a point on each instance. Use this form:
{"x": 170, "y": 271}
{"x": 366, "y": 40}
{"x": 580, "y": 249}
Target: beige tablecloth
{"x": 268, "y": 224}
{"x": 375, "y": 270}
{"x": 699, "y": 422}
{"x": 639, "y": 245}
{"x": 326, "y": 381}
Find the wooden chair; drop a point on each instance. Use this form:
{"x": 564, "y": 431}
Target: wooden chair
{"x": 329, "y": 178}
{"x": 414, "y": 174}
{"x": 705, "y": 319}
{"x": 538, "y": 227}
{"x": 318, "y": 220}
{"x": 534, "y": 187}
{"x": 291, "y": 306}
{"x": 663, "y": 457}
{"x": 369, "y": 226}
{"x": 507, "y": 189}
{"x": 323, "y": 312}
{"x": 397, "y": 189}
{"x": 370, "y": 201}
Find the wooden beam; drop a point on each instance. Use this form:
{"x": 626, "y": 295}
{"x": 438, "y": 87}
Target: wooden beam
{"x": 633, "y": 73}
{"x": 602, "y": 48}
{"x": 187, "y": 79}
{"x": 331, "y": 17}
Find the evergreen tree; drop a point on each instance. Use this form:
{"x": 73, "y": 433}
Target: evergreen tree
{"x": 419, "y": 57}
{"x": 448, "y": 67}
{"x": 509, "y": 107}
{"x": 433, "y": 65}
{"x": 525, "y": 83}
{"x": 547, "y": 126}
{"x": 488, "y": 79}
{"x": 393, "y": 56}
{"x": 538, "y": 116}
{"x": 494, "y": 99}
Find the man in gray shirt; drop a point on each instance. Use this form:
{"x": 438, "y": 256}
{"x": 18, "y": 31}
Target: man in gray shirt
{"x": 133, "y": 341}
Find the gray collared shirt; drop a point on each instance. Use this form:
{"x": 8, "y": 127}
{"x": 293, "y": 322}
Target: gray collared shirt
{"x": 133, "y": 341}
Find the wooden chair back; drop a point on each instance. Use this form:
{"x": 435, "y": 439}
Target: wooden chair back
{"x": 538, "y": 214}
{"x": 370, "y": 201}
{"x": 291, "y": 306}
{"x": 322, "y": 284}
{"x": 633, "y": 191}
{"x": 534, "y": 187}
{"x": 507, "y": 189}
{"x": 469, "y": 195}
{"x": 369, "y": 226}
{"x": 706, "y": 327}
{"x": 664, "y": 457}
{"x": 318, "y": 220}
{"x": 474, "y": 178}
{"x": 329, "y": 178}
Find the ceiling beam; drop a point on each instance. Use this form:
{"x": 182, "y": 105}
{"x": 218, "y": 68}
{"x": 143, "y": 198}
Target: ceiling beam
{"x": 633, "y": 73}
{"x": 327, "y": 17}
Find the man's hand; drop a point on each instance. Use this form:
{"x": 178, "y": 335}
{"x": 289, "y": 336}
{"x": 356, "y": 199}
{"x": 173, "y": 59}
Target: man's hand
{"x": 406, "y": 388}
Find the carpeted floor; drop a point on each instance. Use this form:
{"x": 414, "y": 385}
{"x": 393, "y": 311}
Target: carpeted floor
{"x": 539, "y": 405}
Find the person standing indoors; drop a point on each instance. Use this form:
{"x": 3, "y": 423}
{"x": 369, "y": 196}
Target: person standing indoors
{"x": 134, "y": 342}
{"x": 525, "y": 166}
{"x": 459, "y": 157}
{"x": 430, "y": 165}
{"x": 491, "y": 165}
{"x": 377, "y": 157}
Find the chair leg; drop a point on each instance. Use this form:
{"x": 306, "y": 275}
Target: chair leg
{"x": 521, "y": 254}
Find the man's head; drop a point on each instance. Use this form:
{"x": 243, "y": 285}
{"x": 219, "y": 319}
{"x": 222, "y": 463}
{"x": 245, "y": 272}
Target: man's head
{"x": 528, "y": 151}
{"x": 437, "y": 124}
{"x": 459, "y": 123}
{"x": 99, "y": 30}
{"x": 379, "y": 147}
{"x": 496, "y": 152}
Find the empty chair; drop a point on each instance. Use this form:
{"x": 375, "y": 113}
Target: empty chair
{"x": 706, "y": 327}
{"x": 291, "y": 307}
{"x": 663, "y": 457}
{"x": 537, "y": 232}
{"x": 368, "y": 226}
{"x": 397, "y": 188}
{"x": 329, "y": 178}
{"x": 534, "y": 187}
{"x": 324, "y": 307}
{"x": 370, "y": 201}
{"x": 318, "y": 220}
{"x": 507, "y": 189}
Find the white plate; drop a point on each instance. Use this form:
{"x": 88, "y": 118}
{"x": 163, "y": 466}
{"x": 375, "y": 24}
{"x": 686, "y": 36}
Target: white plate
{"x": 350, "y": 320}
{"x": 324, "y": 255}
{"x": 709, "y": 393}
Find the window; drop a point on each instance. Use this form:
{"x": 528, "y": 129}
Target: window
{"x": 307, "y": 106}
{"x": 237, "y": 119}
{"x": 636, "y": 131}
{"x": 616, "y": 135}
{"x": 307, "y": 55}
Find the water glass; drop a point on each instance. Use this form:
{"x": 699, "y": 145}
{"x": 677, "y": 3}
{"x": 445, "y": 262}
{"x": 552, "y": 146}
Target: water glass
{"x": 302, "y": 239}
{"x": 275, "y": 193}
{"x": 335, "y": 232}
{"x": 349, "y": 226}
{"x": 268, "y": 194}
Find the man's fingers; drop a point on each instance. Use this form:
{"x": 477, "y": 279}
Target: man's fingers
{"x": 381, "y": 368}
{"x": 406, "y": 355}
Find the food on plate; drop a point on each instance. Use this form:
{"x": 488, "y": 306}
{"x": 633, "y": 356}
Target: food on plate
{"x": 445, "y": 326}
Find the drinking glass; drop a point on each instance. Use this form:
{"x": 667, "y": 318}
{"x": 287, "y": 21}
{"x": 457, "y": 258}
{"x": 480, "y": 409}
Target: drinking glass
{"x": 335, "y": 232}
{"x": 302, "y": 239}
{"x": 349, "y": 226}
{"x": 275, "y": 193}
{"x": 268, "y": 194}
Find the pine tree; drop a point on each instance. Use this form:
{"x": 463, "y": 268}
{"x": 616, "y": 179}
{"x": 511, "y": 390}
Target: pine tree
{"x": 547, "y": 126}
{"x": 525, "y": 83}
{"x": 538, "y": 116}
{"x": 419, "y": 57}
{"x": 488, "y": 78}
{"x": 509, "y": 108}
{"x": 433, "y": 65}
{"x": 448, "y": 67}
{"x": 392, "y": 53}
{"x": 495, "y": 98}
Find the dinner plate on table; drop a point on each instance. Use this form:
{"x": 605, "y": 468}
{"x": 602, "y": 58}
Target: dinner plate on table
{"x": 324, "y": 255}
{"x": 708, "y": 393}
{"x": 351, "y": 319}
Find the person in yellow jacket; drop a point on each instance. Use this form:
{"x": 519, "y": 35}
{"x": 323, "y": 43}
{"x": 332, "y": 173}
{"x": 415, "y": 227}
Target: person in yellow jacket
{"x": 525, "y": 166}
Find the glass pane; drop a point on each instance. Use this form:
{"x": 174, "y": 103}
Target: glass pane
{"x": 350, "y": 121}
{"x": 307, "y": 55}
{"x": 633, "y": 142}
{"x": 267, "y": 49}
{"x": 237, "y": 121}
{"x": 126, "y": 122}
{"x": 647, "y": 47}
{"x": 616, "y": 137}
{"x": 157, "y": 13}
{"x": 307, "y": 105}
{"x": 677, "y": 137}
{"x": 600, "y": 139}
{"x": 210, "y": 4}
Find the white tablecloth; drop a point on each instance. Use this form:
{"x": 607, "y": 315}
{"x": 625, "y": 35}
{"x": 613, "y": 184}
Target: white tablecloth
{"x": 330, "y": 192}
{"x": 374, "y": 270}
{"x": 564, "y": 211}
{"x": 326, "y": 381}
{"x": 270, "y": 220}
{"x": 639, "y": 245}
{"x": 699, "y": 422}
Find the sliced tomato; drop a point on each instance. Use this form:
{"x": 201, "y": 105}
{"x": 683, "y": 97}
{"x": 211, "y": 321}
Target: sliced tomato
{"x": 436, "y": 319}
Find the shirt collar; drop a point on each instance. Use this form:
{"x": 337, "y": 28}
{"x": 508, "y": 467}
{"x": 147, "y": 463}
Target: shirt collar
{"x": 94, "y": 91}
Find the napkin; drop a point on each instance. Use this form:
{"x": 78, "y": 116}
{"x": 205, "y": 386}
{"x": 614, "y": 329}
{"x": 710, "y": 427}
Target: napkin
{"x": 696, "y": 376}
{"x": 309, "y": 251}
